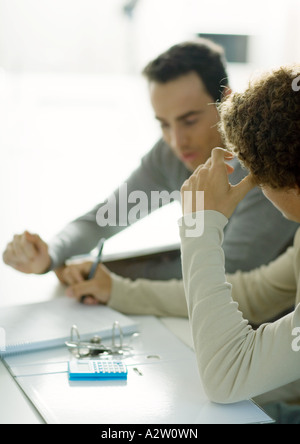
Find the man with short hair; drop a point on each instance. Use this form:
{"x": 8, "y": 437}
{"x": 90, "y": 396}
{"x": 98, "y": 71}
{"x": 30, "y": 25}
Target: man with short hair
{"x": 185, "y": 84}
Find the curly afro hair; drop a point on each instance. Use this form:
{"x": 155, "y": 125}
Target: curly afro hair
{"x": 262, "y": 126}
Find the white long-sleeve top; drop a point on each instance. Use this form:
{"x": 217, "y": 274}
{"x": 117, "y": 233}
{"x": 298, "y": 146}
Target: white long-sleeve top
{"x": 236, "y": 362}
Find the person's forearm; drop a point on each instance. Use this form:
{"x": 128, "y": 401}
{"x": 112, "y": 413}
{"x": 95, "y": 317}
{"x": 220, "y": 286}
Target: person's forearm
{"x": 235, "y": 362}
{"x": 145, "y": 297}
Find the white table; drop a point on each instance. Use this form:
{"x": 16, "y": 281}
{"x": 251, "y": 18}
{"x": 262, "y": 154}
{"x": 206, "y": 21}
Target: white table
{"x": 16, "y": 408}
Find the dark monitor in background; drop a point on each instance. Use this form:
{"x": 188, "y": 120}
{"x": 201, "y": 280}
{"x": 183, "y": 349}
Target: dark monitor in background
{"x": 235, "y": 45}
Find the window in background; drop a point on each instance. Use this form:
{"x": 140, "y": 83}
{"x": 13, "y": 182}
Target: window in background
{"x": 236, "y": 46}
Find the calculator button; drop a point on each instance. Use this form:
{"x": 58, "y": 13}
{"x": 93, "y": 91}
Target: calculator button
{"x": 107, "y": 370}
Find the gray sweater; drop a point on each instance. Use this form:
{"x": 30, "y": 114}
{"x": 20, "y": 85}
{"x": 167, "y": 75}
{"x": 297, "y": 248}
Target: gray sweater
{"x": 256, "y": 233}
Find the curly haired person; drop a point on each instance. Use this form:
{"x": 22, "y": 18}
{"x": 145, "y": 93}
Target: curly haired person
{"x": 262, "y": 127}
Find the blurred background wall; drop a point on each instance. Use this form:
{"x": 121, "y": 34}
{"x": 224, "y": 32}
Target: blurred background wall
{"x": 103, "y": 36}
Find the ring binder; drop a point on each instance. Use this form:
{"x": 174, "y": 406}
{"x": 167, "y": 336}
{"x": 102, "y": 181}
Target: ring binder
{"x": 94, "y": 347}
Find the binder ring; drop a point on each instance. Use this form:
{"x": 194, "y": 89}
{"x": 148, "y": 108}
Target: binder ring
{"x": 94, "y": 347}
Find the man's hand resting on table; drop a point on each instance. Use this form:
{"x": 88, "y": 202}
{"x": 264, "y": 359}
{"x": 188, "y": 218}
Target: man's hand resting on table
{"x": 212, "y": 178}
{"x": 96, "y": 290}
{"x": 27, "y": 253}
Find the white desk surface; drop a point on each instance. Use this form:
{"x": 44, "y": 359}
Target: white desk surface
{"x": 15, "y": 408}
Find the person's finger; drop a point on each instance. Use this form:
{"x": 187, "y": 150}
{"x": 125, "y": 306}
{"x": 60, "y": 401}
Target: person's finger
{"x": 92, "y": 288}
{"x": 20, "y": 256}
{"x": 209, "y": 163}
{"x": 76, "y": 273}
{"x": 85, "y": 268}
{"x": 8, "y": 256}
{"x": 89, "y": 300}
{"x": 28, "y": 248}
{"x": 67, "y": 276}
{"x": 8, "y": 253}
{"x": 86, "y": 288}
{"x": 37, "y": 241}
{"x": 70, "y": 276}
{"x": 240, "y": 190}
{"x": 60, "y": 274}
{"x": 219, "y": 155}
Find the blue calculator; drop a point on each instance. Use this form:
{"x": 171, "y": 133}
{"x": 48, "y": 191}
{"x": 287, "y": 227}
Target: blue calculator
{"x": 96, "y": 370}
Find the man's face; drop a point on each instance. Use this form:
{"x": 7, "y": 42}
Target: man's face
{"x": 188, "y": 118}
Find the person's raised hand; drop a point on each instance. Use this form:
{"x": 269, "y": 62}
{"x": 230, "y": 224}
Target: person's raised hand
{"x": 212, "y": 179}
